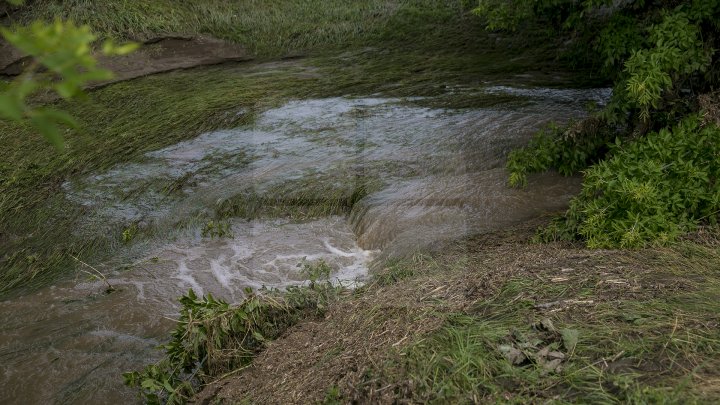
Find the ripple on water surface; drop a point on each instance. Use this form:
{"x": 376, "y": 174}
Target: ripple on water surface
{"x": 437, "y": 175}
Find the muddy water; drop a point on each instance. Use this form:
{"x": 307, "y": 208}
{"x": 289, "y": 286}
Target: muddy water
{"x": 436, "y": 174}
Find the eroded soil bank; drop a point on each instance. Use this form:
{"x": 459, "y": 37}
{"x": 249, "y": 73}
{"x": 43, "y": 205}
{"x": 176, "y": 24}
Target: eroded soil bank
{"x": 155, "y": 55}
{"x": 495, "y": 318}
{"x": 385, "y": 160}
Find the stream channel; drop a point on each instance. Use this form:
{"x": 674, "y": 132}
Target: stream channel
{"x": 425, "y": 175}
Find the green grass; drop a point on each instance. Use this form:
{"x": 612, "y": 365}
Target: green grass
{"x": 265, "y": 28}
{"x": 661, "y": 345}
{"x": 123, "y": 121}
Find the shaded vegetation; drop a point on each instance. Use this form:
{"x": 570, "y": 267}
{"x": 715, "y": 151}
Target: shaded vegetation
{"x": 123, "y": 121}
{"x": 662, "y": 57}
{"x": 654, "y": 189}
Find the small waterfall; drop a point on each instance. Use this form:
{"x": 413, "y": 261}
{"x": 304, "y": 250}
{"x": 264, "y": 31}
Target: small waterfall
{"x": 425, "y": 175}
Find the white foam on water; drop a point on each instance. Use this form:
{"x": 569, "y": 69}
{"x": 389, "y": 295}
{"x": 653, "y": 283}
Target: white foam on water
{"x": 260, "y": 254}
{"x": 440, "y": 177}
{"x": 186, "y": 278}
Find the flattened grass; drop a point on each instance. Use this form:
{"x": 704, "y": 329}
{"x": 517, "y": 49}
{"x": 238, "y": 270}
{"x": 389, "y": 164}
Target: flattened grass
{"x": 647, "y": 326}
{"x": 121, "y": 123}
{"x": 422, "y": 48}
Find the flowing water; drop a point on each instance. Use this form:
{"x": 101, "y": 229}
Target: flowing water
{"x": 424, "y": 175}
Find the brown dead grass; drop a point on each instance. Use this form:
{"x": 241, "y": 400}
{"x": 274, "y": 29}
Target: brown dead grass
{"x": 710, "y": 106}
{"x": 364, "y": 332}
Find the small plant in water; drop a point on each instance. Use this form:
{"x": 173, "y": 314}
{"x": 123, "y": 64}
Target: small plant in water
{"x": 217, "y": 229}
{"x": 315, "y": 271}
{"x": 95, "y": 274}
{"x": 129, "y": 233}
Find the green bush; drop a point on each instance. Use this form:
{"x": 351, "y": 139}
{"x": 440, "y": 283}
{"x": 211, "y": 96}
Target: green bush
{"x": 649, "y": 179}
{"x": 568, "y": 150}
{"x": 650, "y": 191}
{"x": 213, "y": 338}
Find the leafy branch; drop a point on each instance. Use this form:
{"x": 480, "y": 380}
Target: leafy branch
{"x": 62, "y": 64}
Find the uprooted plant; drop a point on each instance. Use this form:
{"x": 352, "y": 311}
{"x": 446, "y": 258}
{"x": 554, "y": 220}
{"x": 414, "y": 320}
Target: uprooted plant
{"x": 214, "y": 339}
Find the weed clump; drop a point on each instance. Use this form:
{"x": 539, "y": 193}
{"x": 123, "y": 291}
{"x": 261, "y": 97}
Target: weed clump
{"x": 217, "y": 229}
{"x": 568, "y": 150}
{"x": 315, "y": 271}
{"x": 213, "y": 339}
{"x": 650, "y": 191}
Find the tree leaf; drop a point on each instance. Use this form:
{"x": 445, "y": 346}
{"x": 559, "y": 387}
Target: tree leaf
{"x": 109, "y": 48}
{"x": 570, "y": 339}
{"x": 59, "y": 116}
{"x": 10, "y": 108}
{"x": 48, "y": 130}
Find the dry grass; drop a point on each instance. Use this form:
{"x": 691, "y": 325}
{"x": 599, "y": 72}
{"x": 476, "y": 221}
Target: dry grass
{"x": 428, "y": 329}
{"x": 710, "y": 107}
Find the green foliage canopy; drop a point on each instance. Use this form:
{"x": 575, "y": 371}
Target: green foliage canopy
{"x": 648, "y": 178}
{"x": 63, "y": 64}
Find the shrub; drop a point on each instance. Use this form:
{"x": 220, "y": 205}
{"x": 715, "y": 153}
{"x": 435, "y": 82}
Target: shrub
{"x": 213, "y": 338}
{"x": 650, "y": 191}
{"x": 659, "y": 178}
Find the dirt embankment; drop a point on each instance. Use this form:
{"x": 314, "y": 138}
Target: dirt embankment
{"x": 635, "y": 312}
{"x": 156, "y": 55}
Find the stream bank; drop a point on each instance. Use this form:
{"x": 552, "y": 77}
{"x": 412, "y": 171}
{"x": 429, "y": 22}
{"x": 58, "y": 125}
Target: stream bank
{"x": 226, "y": 177}
{"x": 495, "y": 318}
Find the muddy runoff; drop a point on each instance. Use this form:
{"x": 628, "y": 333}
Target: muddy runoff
{"x": 349, "y": 181}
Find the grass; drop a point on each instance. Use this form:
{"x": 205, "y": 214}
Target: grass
{"x": 496, "y": 319}
{"x": 304, "y": 198}
{"x": 647, "y": 333}
{"x": 265, "y": 28}
{"x": 123, "y": 121}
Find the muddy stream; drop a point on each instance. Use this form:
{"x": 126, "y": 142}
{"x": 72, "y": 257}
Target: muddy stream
{"x": 434, "y": 175}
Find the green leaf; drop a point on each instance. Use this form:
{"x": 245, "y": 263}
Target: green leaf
{"x": 10, "y": 107}
{"x": 258, "y": 336}
{"x": 58, "y": 116}
{"x": 150, "y": 384}
{"x": 109, "y": 48}
{"x": 48, "y": 130}
{"x": 570, "y": 339}
{"x": 96, "y": 75}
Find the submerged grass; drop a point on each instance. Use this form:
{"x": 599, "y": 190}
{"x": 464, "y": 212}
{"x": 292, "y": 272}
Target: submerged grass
{"x": 423, "y": 48}
{"x": 122, "y": 123}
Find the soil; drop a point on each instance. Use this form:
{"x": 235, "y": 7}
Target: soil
{"x": 362, "y": 333}
{"x": 156, "y": 55}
